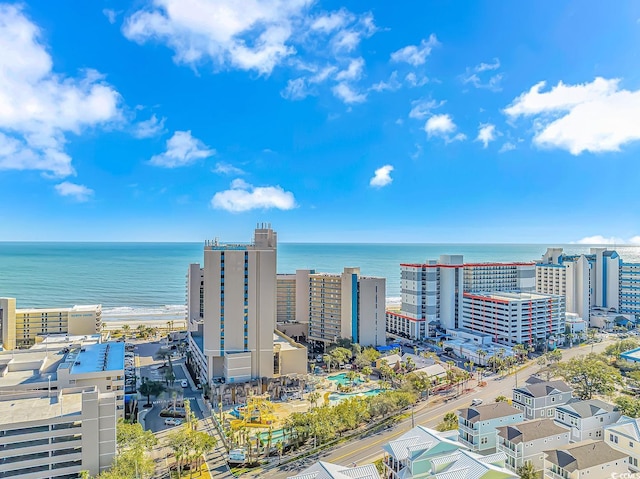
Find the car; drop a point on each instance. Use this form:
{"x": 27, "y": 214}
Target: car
{"x": 172, "y": 422}
{"x": 184, "y": 383}
{"x": 476, "y": 402}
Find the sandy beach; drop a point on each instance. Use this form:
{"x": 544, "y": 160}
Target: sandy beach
{"x": 178, "y": 324}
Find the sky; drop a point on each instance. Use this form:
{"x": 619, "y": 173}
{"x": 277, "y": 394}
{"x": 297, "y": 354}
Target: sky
{"x": 410, "y": 121}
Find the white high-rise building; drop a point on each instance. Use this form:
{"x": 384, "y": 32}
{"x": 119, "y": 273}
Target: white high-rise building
{"x": 596, "y": 280}
{"x": 432, "y": 292}
{"x": 514, "y": 318}
{"x": 235, "y": 294}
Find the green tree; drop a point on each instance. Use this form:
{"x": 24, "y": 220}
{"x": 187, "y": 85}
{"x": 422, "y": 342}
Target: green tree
{"x": 340, "y": 355}
{"x": 371, "y": 354}
{"x": 313, "y": 398}
{"x": 624, "y": 345}
{"x": 327, "y": 360}
{"x": 126, "y": 329}
{"x": 590, "y": 375}
{"x": 133, "y": 436}
{"x": 280, "y": 448}
{"x": 628, "y": 406}
{"x": 449, "y": 422}
{"x": 150, "y": 388}
{"x": 501, "y": 398}
{"x": 367, "y": 371}
{"x": 131, "y": 460}
{"x": 527, "y": 471}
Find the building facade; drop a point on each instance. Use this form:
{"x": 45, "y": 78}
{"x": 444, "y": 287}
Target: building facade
{"x": 587, "y": 419}
{"x": 600, "y": 279}
{"x": 21, "y": 326}
{"x": 477, "y": 425}
{"x": 540, "y": 399}
{"x": 56, "y": 435}
{"x": 526, "y": 442}
{"x": 514, "y": 318}
{"x": 593, "y": 459}
{"x": 624, "y": 436}
{"x": 432, "y": 293}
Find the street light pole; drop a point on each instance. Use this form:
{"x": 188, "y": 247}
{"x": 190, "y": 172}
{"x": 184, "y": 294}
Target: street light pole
{"x": 49, "y": 386}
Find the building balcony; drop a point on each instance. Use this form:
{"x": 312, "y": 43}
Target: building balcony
{"x": 467, "y": 429}
{"x": 548, "y": 473}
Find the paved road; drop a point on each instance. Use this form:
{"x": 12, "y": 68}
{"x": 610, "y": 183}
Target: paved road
{"x": 368, "y": 449}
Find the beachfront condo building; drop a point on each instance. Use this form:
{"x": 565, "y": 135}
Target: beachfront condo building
{"x": 56, "y": 434}
{"x": 599, "y": 281}
{"x": 334, "y": 305}
{"x": 514, "y": 318}
{"x": 231, "y": 306}
{"x": 20, "y": 327}
{"x": 432, "y": 292}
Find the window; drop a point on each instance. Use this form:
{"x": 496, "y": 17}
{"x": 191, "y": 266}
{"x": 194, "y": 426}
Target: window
{"x": 484, "y": 440}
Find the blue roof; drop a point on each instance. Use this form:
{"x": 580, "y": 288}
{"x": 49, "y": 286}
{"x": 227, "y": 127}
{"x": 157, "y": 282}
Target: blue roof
{"x": 633, "y": 355}
{"x": 99, "y": 357}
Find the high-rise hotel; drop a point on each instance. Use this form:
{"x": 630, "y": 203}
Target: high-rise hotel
{"x": 231, "y": 309}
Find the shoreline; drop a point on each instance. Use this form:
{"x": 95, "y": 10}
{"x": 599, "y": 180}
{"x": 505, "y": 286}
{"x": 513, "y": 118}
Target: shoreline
{"x": 133, "y": 323}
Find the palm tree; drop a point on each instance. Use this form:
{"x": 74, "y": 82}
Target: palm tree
{"x": 313, "y": 398}
{"x": 125, "y": 330}
{"x": 327, "y": 360}
{"x": 150, "y": 388}
{"x": 449, "y": 422}
{"x": 481, "y": 355}
{"x": 280, "y": 447}
{"x": 527, "y": 471}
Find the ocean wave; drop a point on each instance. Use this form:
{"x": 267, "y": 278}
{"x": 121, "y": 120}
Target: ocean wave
{"x": 131, "y": 313}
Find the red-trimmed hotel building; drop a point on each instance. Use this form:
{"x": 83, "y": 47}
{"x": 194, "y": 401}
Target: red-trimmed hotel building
{"x": 434, "y": 292}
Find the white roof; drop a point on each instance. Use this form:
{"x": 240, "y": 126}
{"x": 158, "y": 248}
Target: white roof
{"x": 327, "y": 470}
{"x": 419, "y": 438}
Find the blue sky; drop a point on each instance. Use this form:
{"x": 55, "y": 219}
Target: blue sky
{"x": 425, "y": 121}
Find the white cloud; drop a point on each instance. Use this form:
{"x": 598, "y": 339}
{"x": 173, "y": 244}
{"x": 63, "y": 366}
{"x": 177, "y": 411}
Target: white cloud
{"x": 149, "y": 128}
{"x": 223, "y": 168}
{"x": 601, "y": 240}
{"x": 416, "y": 55}
{"x": 443, "y": 126}
{"x": 508, "y": 146}
{"x": 296, "y": 89}
{"x": 486, "y": 134}
{"x": 594, "y": 117}
{"x": 392, "y": 84}
{"x": 38, "y": 108}
{"x": 413, "y": 80}
{"x": 347, "y": 94}
{"x": 182, "y": 150}
{"x": 111, "y": 15}
{"x": 474, "y": 76}
{"x": 79, "y": 193}
{"x": 381, "y": 177}
{"x": 245, "y": 197}
{"x": 332, "y": 21}
{"x": 422, "y": 108}
{"x": 353, "y": 71}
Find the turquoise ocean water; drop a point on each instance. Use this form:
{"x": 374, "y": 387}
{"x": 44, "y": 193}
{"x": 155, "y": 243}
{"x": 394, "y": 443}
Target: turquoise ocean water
{"x": 148, "y": 279}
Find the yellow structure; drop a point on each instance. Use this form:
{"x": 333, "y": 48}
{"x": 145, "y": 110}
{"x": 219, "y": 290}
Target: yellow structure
{"x": 257, "y": 413}
{"x": 20, "y": 327}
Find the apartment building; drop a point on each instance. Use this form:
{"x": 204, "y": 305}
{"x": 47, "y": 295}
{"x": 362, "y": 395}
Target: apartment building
{"x": 593, "y": 459}
{"x": 56, "y": 434}
{"x": 19, "y": 328}
{"x": 526, "y": 442}
{"x": 587, "y": 419}
{"x": 514, "y": 318}
{"x": 624, "y": 436}
{"x": 63, "y": 365}
{"x": 231, "y": 306}
{"x": 432, "y": 293}
{"x": 599, "y": 279}
{"x": 540, "y": 399}
{"x": 333, "y": 306}
{"x": 477, "y": 425}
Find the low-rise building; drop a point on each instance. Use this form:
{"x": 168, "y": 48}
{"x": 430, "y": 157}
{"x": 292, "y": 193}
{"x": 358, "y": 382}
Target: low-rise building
{"x": 587, "y": 418}
{"x": 66, "y": 365}
{"x": 591, "y": 459}
{"x": 56, "y": 434}
{"x": 477, "y": 424}
{"x": 526, "y": 441}
{"x": 540, "y": 399}
{"x": 413, "y": 453}
{"x": 327, "y": 470}
{"x": 475, "y": 346}
{"x": 624, "y": 436}
{"x": 19, "y": 327}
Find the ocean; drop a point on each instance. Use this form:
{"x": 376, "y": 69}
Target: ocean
{"x": 135, "y": 280}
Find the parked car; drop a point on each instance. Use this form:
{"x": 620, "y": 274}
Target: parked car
{"x": 184, "y": 383}
{"x": 172, "y": 422}
{"x": 476, "y": 402}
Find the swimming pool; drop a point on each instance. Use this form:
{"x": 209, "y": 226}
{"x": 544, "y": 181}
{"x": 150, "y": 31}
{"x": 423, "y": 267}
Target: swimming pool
{"x": 335, "y": 398}
{"x": 342, "y": 379}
